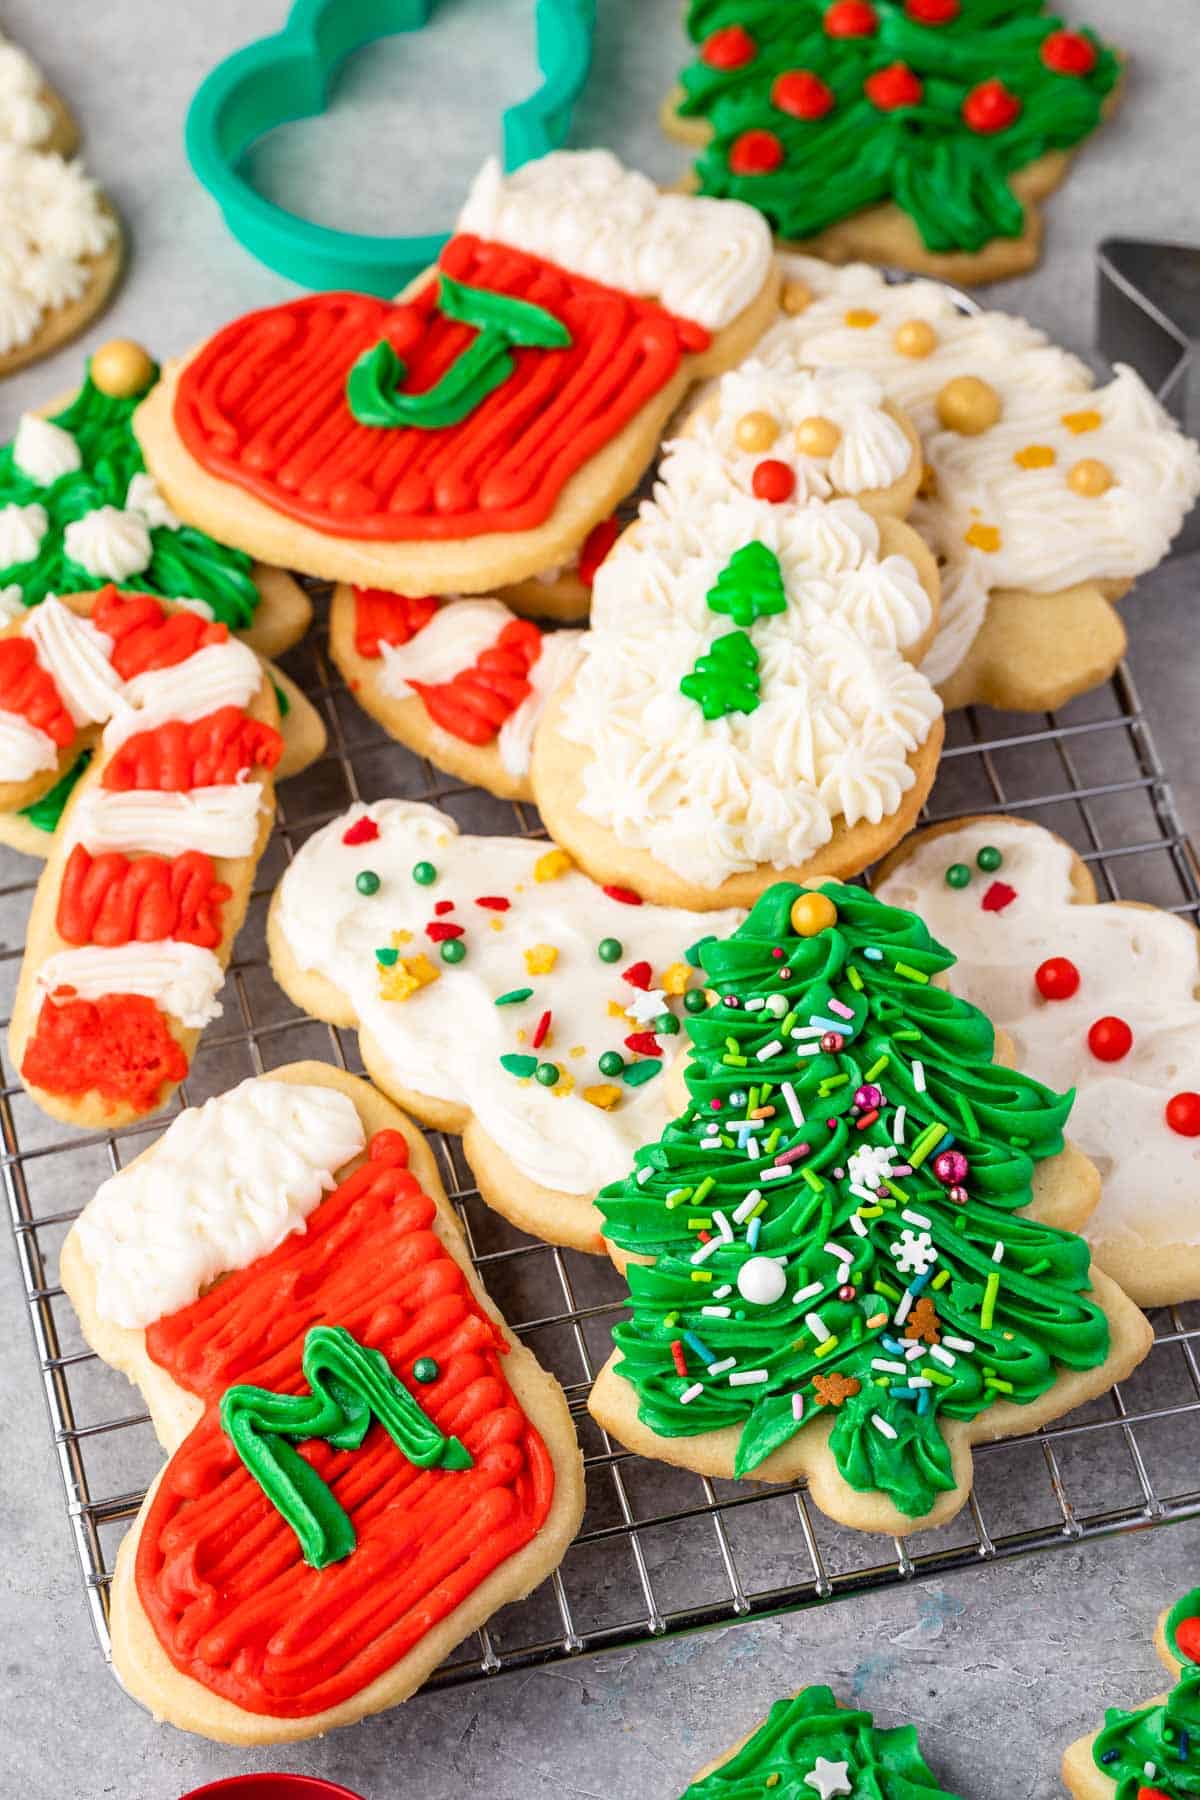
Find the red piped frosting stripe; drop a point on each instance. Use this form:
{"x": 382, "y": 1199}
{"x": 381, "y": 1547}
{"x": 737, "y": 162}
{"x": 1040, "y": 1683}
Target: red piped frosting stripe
{"x": 145, "y": 636}
{"x": 381, "y": 618}
{"x": 219, "y": 1573}
{"x": 476, "y": 702}
{"x": 28, "y": 689}
{"x": 111, "y": 899}
{"x": 214, "y": 751}
{"x": 119, "y": 1046}
{"x": 264, "y": 403}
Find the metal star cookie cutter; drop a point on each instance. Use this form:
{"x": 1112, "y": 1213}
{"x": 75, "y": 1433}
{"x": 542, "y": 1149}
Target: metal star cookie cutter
{"x": 1148, "y": 307}
{"x": 289, "y": 76}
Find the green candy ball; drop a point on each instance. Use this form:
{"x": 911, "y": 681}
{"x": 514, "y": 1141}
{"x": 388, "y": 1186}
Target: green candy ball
{"x": 694, "y": 1001}
{"x": 547, "y": 1073}
{"x": 425, "y": 1369}
{"x": 367, "y": 881}
{"x": 957, "y": 875}
{"x": 453, "y": 950}
{"x": 612, "y": 1062}
{"x": 424, "y": 874}
{"x": 989, "y": 859}
{"x": 666, "y": 1024}
{"x": 609, "y": 949}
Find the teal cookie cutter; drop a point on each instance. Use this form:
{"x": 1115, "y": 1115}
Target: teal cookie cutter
{"x": 288, "y": 76}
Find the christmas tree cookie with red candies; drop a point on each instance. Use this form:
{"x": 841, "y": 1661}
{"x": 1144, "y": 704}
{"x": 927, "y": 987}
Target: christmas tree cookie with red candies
{"x": 497, "y": 992}
{"x": 472, "y": 433}
{"x": 149, "y": 873}
{"x": 1103, "y": 999}
{"x": 853, "y": 1254}
{"x": 914, "y": 133}
{"x": 363, "y": 1462}
{"x": 1152, "y": 1753}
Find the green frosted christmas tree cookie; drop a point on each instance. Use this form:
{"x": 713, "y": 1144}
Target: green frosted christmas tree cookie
{"x": 1153, "y": 1752}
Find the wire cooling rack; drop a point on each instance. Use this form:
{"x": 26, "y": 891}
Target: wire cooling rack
{"x": 661, "y": 1550}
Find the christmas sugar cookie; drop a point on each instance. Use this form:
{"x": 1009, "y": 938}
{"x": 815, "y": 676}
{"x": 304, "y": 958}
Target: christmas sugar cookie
{"x": 61, "y": 239}
{"x": 45, "y": 746}
{"x": 1101, "y": 999}
{"x": 462, "y": 681}
{"x": 1044, "y": 496}
{"x": 283, "y": 1278}
{"x": 1152, "y": 1753}
{"x": 920, "y": 134}
{"x": 497, "y": 992}
{"x": 853, "y": 1254}
{"x": 809, "y": 1745}
{"x": 77, "y": 508}
{"x": 746, "y": 704}
{"x": 472, "y": 433}
{"x": 150, "y": 870}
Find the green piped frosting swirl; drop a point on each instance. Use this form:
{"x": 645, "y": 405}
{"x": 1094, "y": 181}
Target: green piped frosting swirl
{"x": 952, "y": 181}
{"x": 1011, "y": 1289}
{"x": 880, "y": 1765}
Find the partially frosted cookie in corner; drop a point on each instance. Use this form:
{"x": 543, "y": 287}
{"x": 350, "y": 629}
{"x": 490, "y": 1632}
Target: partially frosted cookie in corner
{"x": 60, "y": 237}
{"x": 497, "y": 992}
{"x": 748, "y": 703}
{"x": 462, "y": 681}
{"x": 1045, "y": 493}
{"x": 472, "y": 433}
{"x": 1104, "y": 999}
{"x": 1150, "y": 1752}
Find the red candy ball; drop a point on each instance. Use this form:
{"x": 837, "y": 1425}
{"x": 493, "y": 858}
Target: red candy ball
{"x": 951, "y": 1168}
{"x": 1187, "y": 1639}
{"x": 1069, "y": 53}
{"x": 731, "y": 48}
{"x": 1057, "y": 978}
{"x": 773, "y": 481}
{"x": 850, "y": 19}
{"x": 1110, "y": 1039}
{"x": 847, "y": 1291}
{"x": 1183, "y": 1115}
{"x": 893, "y": 87}
{"x": 802, "y": 94}
{"x": 990, "y": 107}
{"x": 755, "y": 153}
{"x": 932, "y": 12}
{"x": 831, "y": 1043}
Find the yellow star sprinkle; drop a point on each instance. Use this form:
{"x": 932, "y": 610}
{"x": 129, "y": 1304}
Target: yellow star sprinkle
{"x": 617, "y": 1011}
{"x": 1035, "y": 456}
{"x": 982, "y": 537}
{"x": 552, "y": 865}
{"x": 605, "y": 1096}
{"x": 400, "y": 938}
{"x": 1078, "y": 422}
{"x": 676, "y": 979}
{"x": 406, "y": 976}
{"x": 564, "y": 1085}
{"x": 578, "y": 1050}
{"x": 861, "y": 318}
{"x": 540, "y": 959}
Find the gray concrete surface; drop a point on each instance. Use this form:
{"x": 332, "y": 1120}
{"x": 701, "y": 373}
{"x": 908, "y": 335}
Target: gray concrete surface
{"x": 1000, "y": 1665}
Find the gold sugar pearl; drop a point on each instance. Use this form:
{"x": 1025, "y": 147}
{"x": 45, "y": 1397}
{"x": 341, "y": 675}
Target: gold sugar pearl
{"x": 121, "y": 368}
{"x": 968, "y": 405}
{"x": 817, "y": 436}
{"x": 916, "y": 337}
{"x": 755, "y": 431}
{"x": 797, "y": 296}
{"x": 1090, "y": 478}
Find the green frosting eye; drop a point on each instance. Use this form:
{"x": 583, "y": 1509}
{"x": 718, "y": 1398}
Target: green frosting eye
{"x": 184, "y": 563}
{"x": 818, "y": 109}
{"x": 847, "y": 1123}
{"x": 809, "y": 1745}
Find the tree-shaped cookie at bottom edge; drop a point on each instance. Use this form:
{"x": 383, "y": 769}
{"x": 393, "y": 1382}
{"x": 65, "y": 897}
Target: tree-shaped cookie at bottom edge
{"x": 1153, "y": 1751}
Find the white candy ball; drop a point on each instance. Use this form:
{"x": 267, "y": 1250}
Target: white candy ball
{"x": 761, "y": 1281}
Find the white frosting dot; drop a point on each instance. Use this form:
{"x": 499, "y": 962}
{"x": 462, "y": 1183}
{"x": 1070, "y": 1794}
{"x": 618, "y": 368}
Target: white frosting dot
{"x": 44, "y": 451}
{"x": 108, "y": 543}
{"x": 761, "y": 1281}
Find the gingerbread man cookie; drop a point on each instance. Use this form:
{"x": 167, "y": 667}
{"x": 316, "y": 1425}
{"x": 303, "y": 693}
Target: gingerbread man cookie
{"x": 854, "y": 1253}
{"x": 1045, "y": 495}
{"x": 282, "y": 1276}
{"x": 474, "y": 432}
{"x": 746, "y": 703}
{"x": 497, "y": 992}
{"x": 920, "y": 134}
{"x": 1102, "y": 999}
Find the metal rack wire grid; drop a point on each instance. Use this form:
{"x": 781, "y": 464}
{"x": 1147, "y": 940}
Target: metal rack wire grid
{"x": 661, "y": 1550}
